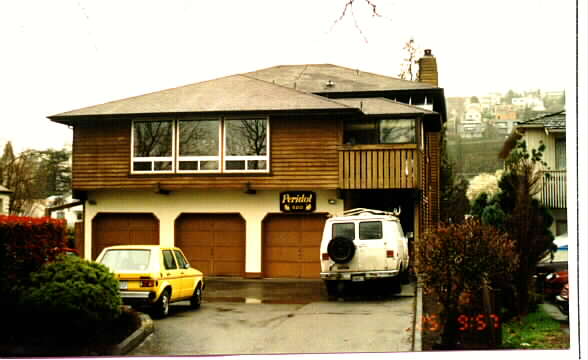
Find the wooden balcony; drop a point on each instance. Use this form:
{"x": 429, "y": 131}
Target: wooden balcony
{"x": 554, "y": 189}
{"x": 379, "y": 166}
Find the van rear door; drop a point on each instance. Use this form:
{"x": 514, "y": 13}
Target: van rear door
{"x": 371, "y": 246}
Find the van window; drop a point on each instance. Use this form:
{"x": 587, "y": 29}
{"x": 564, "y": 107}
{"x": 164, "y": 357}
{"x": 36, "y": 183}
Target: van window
{"x": 346, "y": 230}
{"x": 370, "y": 230}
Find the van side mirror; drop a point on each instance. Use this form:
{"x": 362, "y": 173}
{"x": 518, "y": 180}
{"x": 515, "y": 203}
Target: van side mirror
{"x": 410, "y": 235}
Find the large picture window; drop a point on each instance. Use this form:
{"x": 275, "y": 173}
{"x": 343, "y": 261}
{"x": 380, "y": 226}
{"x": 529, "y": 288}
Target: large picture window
{"x": 246, "y": 145}
{"x": 200, "y": 145}
{"x": 153, "y": 146}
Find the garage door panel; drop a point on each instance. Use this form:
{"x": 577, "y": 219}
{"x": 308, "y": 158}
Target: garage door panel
{"x": 310, "y": 270}
{"x": 275, "y": 269}
{"x": 228, "y": 253}
{"x": 311, "y": 239}
{"x": 227, "y": 268}
{"x": 310, "y": 254}
{"x": 282, "y": 254}
{"x": 283, "y": 239}
{"x": 313, "y": 224}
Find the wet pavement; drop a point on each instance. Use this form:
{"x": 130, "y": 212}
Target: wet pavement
{"x": 240, "y": 316}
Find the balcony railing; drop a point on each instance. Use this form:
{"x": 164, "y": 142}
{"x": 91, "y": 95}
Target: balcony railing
{"x": 379, "y": 166}
{"x": 554, "y": 189}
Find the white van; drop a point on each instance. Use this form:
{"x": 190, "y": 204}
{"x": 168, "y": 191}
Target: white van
{"x": 364, "y": 245}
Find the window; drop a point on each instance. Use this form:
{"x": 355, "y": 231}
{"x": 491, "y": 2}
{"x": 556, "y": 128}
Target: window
{"x": 181, "y": 259}
{"x": 346, "y": 230}
{"x": 370, "y": 230}
{"x": 199, "y": 145}
{"x": 168, "y": 260}
{"x": 152, "y": 146}
{"x": 246, "y": 145}
{"x": 397, "y": 131}
{"x": 383, "y": 131}
{"x": 560, "y": 154}
{"x": 126, "y": 260}
{"x": 212, "y": 145}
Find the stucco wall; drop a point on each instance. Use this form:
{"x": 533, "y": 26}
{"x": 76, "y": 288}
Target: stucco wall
{"x": 167, "y": 208}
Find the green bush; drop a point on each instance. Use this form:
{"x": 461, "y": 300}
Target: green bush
{"x": 72, "y": 294}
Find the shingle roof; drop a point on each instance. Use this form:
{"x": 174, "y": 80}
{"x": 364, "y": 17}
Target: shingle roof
{"x": 232, "y": 93}
{"x": 383, "y": 106}
{"x": 326, "y": 78}
{"x": 554, "y": 121}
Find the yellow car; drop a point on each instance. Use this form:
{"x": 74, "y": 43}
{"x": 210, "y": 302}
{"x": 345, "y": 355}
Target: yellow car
{"x": 153, "y": 276}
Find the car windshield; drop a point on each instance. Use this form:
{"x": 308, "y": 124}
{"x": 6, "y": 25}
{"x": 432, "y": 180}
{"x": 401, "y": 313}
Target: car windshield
{"x": 127, "y": 259}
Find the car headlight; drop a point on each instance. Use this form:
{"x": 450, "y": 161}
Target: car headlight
{"x": 551, "y": 276}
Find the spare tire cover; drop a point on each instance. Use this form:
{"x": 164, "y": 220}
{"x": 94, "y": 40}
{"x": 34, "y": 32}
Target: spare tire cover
{"x": 341, "y": 250}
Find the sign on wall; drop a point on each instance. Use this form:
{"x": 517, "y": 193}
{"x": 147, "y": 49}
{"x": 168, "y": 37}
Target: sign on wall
{"x": 297, "y": 201}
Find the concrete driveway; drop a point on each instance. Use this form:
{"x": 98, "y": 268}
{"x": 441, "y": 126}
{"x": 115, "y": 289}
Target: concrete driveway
{"x": 284, "y": 316}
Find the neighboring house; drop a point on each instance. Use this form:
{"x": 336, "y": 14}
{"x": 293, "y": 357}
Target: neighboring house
{"x": 550, "y": 130}
{"x": 242, "y": 171}
{"x": 472, "y": 125}
{"x": 61, "y": 208}
{"x": 4, "y": 200}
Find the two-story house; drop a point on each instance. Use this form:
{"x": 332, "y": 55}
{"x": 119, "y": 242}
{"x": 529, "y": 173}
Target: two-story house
{"x": 242, "y": 171}
{"x": 550, "y": 130}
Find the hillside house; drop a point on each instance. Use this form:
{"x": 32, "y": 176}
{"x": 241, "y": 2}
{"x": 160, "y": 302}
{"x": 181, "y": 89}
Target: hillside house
{"x": 550, "y": 130}
{"x": 242, "y": 171}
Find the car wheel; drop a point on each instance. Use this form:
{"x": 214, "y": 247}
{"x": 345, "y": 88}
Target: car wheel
{"x": 341, "y": 250}
{"x": 196, "y": 298}
{"x": 162, "y": 305}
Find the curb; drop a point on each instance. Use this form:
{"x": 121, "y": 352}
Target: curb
{"x": 417, "y": 344}
{"x": 147, "y": 327}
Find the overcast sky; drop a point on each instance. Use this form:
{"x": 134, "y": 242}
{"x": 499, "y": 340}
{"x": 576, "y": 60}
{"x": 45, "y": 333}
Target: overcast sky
{"x": 66, "y": 54}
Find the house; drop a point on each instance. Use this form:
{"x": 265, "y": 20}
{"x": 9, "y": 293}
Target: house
{"x": 242, "y": 171}
{"x": 4, "y": 200}
{"x": 550, "y": 130}
{"x": 472, "y": 125}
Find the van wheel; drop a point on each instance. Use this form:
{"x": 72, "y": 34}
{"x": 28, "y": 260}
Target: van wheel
{"x": 333, "y": 288}
{"x": 404, "y": 276}
{"x": 394, "y": 285}
{"x": 341, "y": 250}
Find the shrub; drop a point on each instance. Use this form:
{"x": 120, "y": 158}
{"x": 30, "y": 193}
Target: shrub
{"x": 26, "y": 243}
{"x": 459, "y": 259}
{"x": 73, "y": 294}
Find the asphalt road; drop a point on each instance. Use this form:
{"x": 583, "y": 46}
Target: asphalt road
{"x": 292, "y": 317}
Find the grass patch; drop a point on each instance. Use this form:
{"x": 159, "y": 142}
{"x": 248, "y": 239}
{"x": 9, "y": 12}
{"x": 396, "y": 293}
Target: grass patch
{"x": 535, "y": 331}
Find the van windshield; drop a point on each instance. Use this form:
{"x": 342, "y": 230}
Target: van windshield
{"x": 346, "y": 230}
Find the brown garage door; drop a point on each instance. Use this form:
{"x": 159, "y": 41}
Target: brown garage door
{"x": 213, "y": 243}
{"x": 123, "y": 229}
{"x": 291, "y": 245}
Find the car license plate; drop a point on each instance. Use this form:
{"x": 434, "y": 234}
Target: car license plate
{"x": 123, "y": 284}
{"x": 357, "y": 278}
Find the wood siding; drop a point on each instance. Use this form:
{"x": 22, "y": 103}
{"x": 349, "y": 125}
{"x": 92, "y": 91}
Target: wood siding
{"x": 379, "y": 167}
{"x": 303, "y": 154}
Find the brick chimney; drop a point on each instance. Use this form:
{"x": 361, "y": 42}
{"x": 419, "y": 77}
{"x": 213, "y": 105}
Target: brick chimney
{"x": 428, "y": 69}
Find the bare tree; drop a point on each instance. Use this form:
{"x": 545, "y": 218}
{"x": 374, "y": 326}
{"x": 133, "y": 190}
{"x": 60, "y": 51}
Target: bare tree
{"x": 349, "y": 8}
{"x": 409, "y": 68}
{"x": 19, "y": 174}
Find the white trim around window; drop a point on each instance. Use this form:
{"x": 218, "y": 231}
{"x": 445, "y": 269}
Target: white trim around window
{"x": 214, "y": 161}
{"x": 245, "y": 163}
